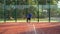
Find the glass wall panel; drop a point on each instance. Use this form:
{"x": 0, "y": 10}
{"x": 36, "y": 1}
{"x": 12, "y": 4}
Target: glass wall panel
{"x": 53, "y": 12}
{"x": 33, "y": 9}
{"x": 21, "y": 13}
{"x": 1, "y": 11}
{"x": 43, "y": 13}
{"x": 10, "y": 13}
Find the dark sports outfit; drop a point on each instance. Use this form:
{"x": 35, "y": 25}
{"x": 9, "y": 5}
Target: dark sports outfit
{"x": 29, "y": 17}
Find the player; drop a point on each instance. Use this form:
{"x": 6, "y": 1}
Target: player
{"x": 29, "y": 17}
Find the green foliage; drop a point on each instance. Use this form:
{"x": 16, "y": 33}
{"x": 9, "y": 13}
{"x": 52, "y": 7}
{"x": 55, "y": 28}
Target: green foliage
{"x": 32, "y": 2}
{"x": 44, "y": 2}
{"x": 21, "y": 13}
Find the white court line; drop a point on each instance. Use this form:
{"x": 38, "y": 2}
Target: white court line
{"x": 42, "y": 32}
{"x": 34, "y": 29}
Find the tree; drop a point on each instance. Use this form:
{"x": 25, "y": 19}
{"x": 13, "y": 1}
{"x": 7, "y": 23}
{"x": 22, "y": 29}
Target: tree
{"x": 44, "y": 2}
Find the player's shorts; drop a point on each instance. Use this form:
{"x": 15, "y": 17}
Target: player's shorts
{"x": 28, "y": 18}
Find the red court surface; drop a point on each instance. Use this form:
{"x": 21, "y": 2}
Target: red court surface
{"x": 30, "y": 28}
